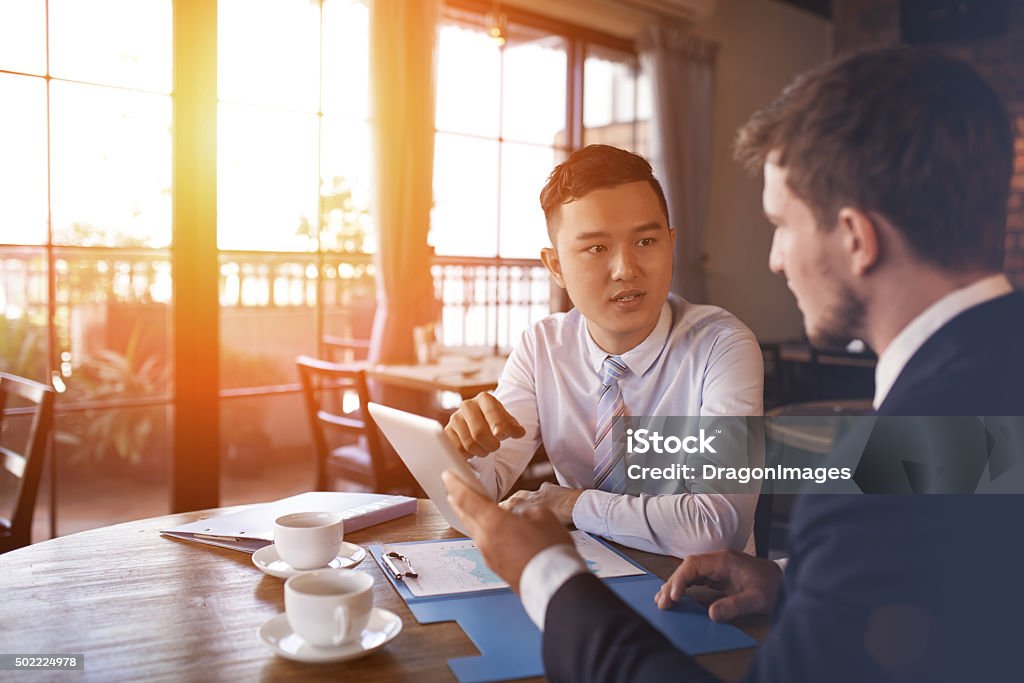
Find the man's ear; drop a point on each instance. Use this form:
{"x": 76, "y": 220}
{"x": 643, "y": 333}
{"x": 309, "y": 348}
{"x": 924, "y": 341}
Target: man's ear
{"x": 860, "y": 239}
{"x": 549, "y": 257}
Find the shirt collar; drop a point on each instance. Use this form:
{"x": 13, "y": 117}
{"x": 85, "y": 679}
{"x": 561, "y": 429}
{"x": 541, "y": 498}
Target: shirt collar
{"x": 641, "y": 357}
{"x": 903, "y": 347}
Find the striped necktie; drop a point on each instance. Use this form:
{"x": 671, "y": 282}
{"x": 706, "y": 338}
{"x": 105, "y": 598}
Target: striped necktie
{"x": 609, "y": 464}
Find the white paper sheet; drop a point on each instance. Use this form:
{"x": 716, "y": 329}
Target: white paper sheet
{"x": 456, "y": 566}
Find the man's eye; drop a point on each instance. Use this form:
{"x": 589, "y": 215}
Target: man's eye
{"x": 596, "y": 249}
{"x": 645, "y": 242}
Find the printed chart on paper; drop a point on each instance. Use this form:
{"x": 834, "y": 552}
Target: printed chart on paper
{"x": 456, "y": 566}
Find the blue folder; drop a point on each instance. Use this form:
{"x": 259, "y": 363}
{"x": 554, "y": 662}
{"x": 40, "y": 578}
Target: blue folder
{"x": 510, "y": 644}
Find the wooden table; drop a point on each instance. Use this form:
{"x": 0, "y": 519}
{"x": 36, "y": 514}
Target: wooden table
{"x": 141, "y": 606}
{"x": 464, "y": 376}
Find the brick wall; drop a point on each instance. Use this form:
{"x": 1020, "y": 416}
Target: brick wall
{"x": 860, "y": 23}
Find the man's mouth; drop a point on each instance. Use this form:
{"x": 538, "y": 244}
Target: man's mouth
{"x": 627, "y": 296}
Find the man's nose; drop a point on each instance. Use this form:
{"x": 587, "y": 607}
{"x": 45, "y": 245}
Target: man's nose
{"x": 624, "y": 265}
{"x": 775, "y": 261}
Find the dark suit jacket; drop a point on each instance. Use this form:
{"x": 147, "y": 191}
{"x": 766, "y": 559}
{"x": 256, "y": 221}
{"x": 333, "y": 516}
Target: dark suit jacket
{"x": 878, "y": 587}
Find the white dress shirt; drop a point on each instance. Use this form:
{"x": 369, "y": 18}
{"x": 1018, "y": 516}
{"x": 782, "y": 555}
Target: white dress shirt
{"x": 905, "y": 344}
{"x": 698, "y": 361}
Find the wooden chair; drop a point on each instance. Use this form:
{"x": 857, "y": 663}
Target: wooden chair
{"x": 27, "y": 466}
{"x": 365, "y": 459}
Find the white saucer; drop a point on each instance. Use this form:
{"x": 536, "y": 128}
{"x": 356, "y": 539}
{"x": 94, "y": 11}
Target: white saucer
{"x": 277, "y": 634}
{"x": 269, "y": 562}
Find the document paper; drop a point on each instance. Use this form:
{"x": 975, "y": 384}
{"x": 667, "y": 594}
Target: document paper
{"x": 253, "y": 527}
{"x": 456, "y": 566}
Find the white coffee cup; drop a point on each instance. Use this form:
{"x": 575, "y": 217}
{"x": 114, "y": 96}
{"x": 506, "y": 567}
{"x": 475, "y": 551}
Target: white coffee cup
{"x": 329, "y": 607}
{"x": 309, "y": 540}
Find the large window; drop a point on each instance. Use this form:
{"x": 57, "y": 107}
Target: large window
{"x": 87, "y": 236}
{"x": 85, "y": 232}
{"x": 294, "y": 226}
{"x": 501, "y": 127}
{"x": 292, "y": 130}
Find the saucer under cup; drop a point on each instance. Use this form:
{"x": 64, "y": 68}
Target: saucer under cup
{"x": 309, "y": 540}
{"x": 277, "y": 635}
{"x": 270, "y": 563}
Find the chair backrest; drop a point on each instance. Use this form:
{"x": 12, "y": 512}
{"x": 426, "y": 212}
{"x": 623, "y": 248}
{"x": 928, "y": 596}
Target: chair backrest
{"x": 319, "y": 377}
{"x": 346, "y": 349}
{"x": 26, "y": 466}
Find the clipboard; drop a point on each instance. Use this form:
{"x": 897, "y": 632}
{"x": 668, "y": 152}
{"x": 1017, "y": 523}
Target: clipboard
{"x": 454, "y": 566}
{"x": 510, "y": 643}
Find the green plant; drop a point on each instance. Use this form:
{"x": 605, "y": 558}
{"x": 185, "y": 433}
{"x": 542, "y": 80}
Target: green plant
{"x": 124, "y": 433}
{"x": 245, "y": 442}
{"x": 22, "y": 347}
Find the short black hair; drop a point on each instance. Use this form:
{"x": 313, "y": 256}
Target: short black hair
{"x": 595, "y": 167}
{"x": 908, "y": 133}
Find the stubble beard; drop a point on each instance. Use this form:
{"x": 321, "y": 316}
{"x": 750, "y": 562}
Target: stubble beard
{"x": 843, "y": 323}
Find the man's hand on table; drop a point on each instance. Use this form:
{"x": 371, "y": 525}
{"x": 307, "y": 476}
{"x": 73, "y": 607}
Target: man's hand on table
{"x": 480, "y": 425}
{"x": 507, "y": 540}
{"x": 558, "y": 499}
{"x": 750, "y": 584}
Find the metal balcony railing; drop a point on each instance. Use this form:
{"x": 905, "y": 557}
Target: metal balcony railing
{"x": 486, "y": 302}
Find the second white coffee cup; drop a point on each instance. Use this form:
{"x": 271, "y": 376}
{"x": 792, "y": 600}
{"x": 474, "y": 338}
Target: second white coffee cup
{"x": 309, "y": 540}
{"x": 329, "y": 607}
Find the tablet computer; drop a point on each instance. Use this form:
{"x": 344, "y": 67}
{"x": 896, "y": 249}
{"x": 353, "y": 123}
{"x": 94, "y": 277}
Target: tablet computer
{"x": 421, "y": 444}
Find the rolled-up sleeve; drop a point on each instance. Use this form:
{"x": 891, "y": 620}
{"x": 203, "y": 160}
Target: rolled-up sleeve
{"x": 678, "y": 525}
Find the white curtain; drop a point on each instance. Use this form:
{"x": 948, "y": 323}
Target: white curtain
{"x": 681, "y": 68}
{"x": 403, "y": 37}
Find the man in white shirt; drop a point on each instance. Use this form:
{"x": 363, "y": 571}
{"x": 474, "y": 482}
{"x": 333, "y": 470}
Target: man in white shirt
{"x": 886, "y": 177}
{"x": 612, "y": 251}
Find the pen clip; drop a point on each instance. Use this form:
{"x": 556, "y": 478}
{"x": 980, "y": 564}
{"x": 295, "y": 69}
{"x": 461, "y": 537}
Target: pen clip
{"x": 389, "y": 560}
